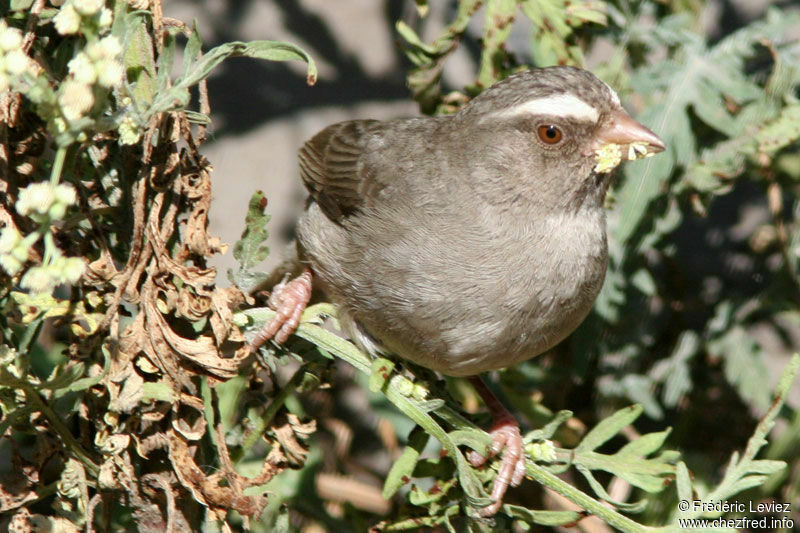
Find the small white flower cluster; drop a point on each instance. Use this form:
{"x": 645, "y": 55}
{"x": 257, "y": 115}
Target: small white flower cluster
{"x": 129, "y": 131}
{"x": 99, "y": 63}
{"x": 43, "y": 202}
{"x": 14, "y": 249}
{"x": 46, "y": 277}
{"x": 73, "y": 12}
{"x": 14, "y": 63}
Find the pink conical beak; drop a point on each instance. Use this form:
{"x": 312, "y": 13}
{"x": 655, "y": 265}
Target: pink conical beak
{"x": 621, "y": 129}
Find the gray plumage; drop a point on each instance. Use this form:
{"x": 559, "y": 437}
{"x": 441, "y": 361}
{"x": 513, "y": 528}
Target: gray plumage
{"x": 463, "y": 243}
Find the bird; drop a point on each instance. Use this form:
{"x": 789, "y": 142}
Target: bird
{"x": 467, "y": 242}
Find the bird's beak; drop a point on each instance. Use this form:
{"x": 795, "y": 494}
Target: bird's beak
{"x": 620, "y": 137}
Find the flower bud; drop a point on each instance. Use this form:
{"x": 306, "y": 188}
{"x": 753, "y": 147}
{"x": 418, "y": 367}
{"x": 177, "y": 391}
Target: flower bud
{"x": 67, "y": 20}
{"x": 88, "y": 8}
{"x": 38, "y": 279}
{"x": 75, "y": 99}
{"x": 82, "y": 69}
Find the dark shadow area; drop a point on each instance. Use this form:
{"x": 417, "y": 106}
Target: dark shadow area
{"x": 249, "y": 92}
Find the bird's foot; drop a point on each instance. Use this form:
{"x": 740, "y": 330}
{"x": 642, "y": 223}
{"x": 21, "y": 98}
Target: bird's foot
{"x": 288, "y": 299}
{"x": 506, "y": 438}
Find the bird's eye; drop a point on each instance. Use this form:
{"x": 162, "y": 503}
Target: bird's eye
{"x": 550, "y": 134}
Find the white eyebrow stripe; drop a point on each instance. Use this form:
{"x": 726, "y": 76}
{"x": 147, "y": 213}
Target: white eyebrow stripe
{"x": 559, "y": 105}
{"x": 614, "y": 95}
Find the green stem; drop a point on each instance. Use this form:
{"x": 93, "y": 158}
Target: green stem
{"x": 261, "y": 425}
{"x": 58, "y": 166}
{"x": 49, "y": 245}
{"x": 63, "y": 431}
{"x": 410, "y": 407}
{"x": 608, "y": 515}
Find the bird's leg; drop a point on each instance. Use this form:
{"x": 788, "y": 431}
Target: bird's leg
{"x": 288, "y": 299}
{"x": 506, "y": 435}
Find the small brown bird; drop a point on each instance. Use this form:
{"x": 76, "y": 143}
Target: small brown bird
{"x": 469, "y": 242}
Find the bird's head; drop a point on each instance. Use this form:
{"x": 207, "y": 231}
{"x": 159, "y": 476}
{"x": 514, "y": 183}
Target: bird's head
{"x": 560, "y": 121}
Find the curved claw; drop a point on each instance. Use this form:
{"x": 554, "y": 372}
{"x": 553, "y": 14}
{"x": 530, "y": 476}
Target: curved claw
{"x": 506, "y": 439}
{"x": 289, "y": 300}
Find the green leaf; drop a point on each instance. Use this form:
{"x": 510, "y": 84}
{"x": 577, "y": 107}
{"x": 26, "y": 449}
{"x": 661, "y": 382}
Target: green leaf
{"x": 674, "y": 371}
{"x": 178, "y": 96}
{"x": 608, "y": 428}
{"x": 744, "y": 364}
{"x": 783, "y": 131}
{"x": 496, "y": 29}
{"x": 250, "y": 250}
{"x": 684, "y": 484}
{"x": 166, "y": 59}
{"x": 193, "y": 49}
{"x": 550, "y": 428}
{"x": 739, "y": 474}
{"x": 197, "y": 118}
{"x": 403, "y": 467}
{"x": 138, "y": 58}
{"x": 471, "y": 438}
{"x": 543, "y": 518}
{"x": 157, "y": 391}
{"x": 269, "y": 50}
{"x": 644, "y": 445}
{"x": 413, "y": 39}
{"x": 19, "y": 5}
{"x": 380, "y": 373}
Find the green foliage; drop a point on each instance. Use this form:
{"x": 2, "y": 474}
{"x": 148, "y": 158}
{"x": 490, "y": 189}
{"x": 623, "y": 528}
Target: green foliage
{"x": 250, "y": 250}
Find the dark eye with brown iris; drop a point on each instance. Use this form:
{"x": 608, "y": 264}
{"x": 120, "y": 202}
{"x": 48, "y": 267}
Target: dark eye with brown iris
{"x": 550, "y": 134}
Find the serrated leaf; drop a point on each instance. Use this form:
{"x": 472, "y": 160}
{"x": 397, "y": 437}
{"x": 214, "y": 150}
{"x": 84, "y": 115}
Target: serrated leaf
{"x": 496, "y": 29}
{"x": 641, "y": 389}
{"x": 250, "y": 250}
{"x": 674, "y": 370}
{"x": 764, "y": 466}
{"x": 643, "y": 280}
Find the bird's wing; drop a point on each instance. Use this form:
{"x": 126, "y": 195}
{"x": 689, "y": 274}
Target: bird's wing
{"x": 334, "y": 169}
